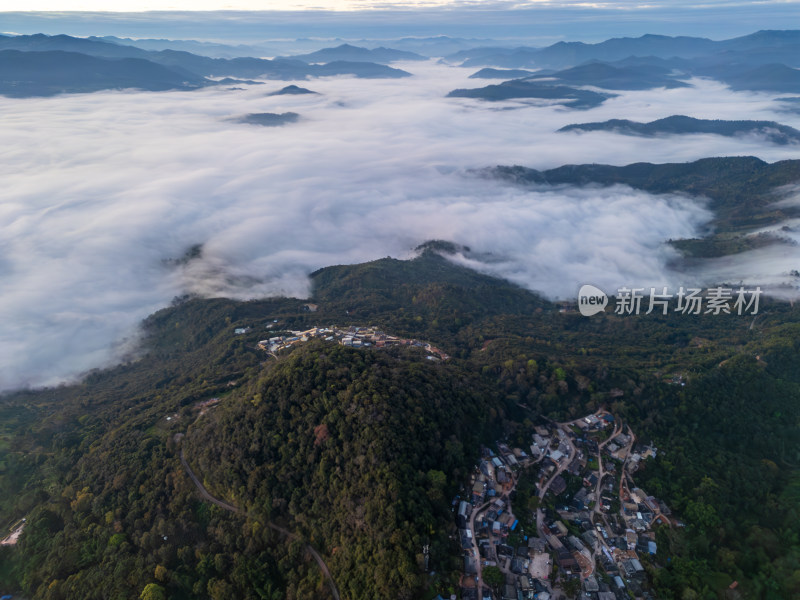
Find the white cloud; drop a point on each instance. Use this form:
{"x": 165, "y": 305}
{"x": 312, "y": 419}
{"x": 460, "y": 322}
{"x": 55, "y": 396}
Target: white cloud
{"x": 352, "y": 5}
{"x": 100, "y": 189}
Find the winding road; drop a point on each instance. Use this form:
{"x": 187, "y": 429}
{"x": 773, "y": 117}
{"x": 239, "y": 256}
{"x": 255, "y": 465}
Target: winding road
{"x": 234, "y": 509}
{"x": 560, "y": 469}
{"x": 475, "y": 548}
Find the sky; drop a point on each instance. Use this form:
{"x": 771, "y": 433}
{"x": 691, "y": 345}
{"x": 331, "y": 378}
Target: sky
{"x": 349, "y": 5}
{"x": 528, "y": 21}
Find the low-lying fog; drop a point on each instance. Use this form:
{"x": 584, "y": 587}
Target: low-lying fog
{"x": 100, "y": 191}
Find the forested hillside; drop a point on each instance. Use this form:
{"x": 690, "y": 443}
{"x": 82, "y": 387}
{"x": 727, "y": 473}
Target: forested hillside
{"x": 359, "y": 451}
{"x": 742, "y": 189}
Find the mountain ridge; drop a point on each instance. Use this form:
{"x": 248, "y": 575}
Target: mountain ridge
{"x": 191, "y": 66}
{"x": 680, "y": 124}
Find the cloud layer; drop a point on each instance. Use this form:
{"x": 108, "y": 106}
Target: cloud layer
{"x": 100, "y": 190}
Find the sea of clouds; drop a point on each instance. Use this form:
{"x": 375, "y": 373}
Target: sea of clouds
{"x": 102, "y": 192}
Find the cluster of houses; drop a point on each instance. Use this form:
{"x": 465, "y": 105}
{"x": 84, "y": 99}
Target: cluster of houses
{"x": 353, "y": 336}
{"x": 493, "y": 475}
{"x": 595, "y": 532}
{"x": 642, "y": 512}
{"x": 606, "y": 558}
{"x": 492, "y": 526}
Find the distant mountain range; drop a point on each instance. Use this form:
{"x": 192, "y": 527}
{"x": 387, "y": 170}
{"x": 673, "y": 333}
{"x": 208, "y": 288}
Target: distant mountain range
{"x": 635, "y": 73}
{"x": 355, "y": 53}
{"x": 48, "y": 73}
{"x": 441, "y": 45}
{"x": 54, "y": 71}
{"x": 519, "y": 88}
{"x": 770, "y": 77}
{"x": 613, "y": 77}
{"x": 679, "y": 124}
{"x": 735, "y": 71}
{"x": 427, "y": 46}
{"x": 763, "y": 61}
{"x": 783, "y": 44}
{"x": 195, "y": 47}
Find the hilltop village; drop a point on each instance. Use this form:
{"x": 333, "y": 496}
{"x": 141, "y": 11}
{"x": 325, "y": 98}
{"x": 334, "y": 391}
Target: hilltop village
{"x": 352, "y": 336}
{"x": 561, "y": 517}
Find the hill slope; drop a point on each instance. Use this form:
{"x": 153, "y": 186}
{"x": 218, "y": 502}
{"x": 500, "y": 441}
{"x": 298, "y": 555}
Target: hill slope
{"x": 48, "y": 73}
{"x": 350, "y": 449}
{"x": 614, "y": 77}
{"x": 740, "y": 188}
{"x": 349, "y": 52}
{"x": 679, "y": 124}
{"x": 776, "y": 46}
{"x": 522, "y": 89}
{"x": 196, "y": 66}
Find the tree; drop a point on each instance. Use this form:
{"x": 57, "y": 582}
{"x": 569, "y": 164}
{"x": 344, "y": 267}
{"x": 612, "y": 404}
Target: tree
{"x": 437, "y": 481}
{"x": 571, "y": 587}
{"x": 161, "y": 572}
{"x": 494, "y": 578}
{"x": 153, "y": 591}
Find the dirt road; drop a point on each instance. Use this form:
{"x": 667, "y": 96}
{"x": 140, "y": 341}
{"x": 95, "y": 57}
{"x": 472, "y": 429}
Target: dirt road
{"x": 234, "y": 509}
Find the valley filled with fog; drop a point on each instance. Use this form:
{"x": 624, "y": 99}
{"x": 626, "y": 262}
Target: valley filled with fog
{"x": 105, "y": 193}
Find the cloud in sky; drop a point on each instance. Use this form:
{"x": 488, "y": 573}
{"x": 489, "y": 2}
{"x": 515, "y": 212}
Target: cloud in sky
{"x": 351, "y": 5}
{"x": 100, "y": 190}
